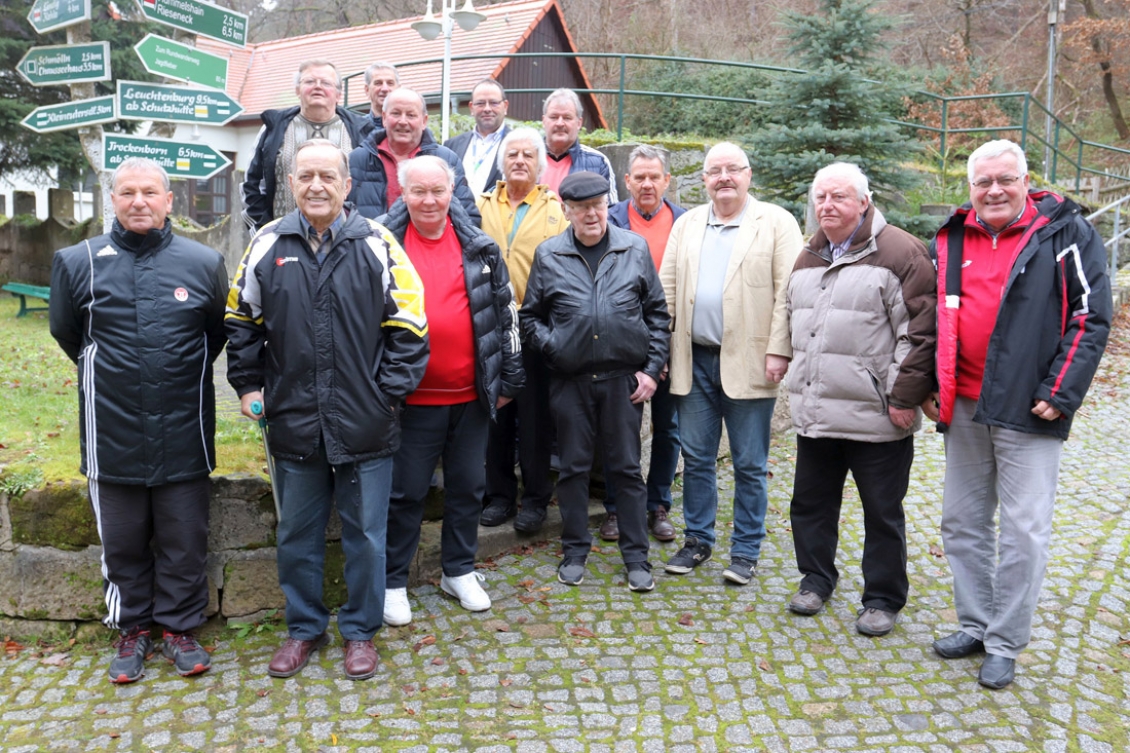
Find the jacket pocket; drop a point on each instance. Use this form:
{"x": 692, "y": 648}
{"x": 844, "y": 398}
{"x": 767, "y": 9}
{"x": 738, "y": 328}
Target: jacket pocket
{"x": 880, "y": 393}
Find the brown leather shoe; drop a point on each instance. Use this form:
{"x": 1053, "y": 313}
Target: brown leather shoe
{"x": 610, "y": 528}
{"x": 660, "y": 526}
{"x": 293, "y": 654}
{"x": 360, "y": 660}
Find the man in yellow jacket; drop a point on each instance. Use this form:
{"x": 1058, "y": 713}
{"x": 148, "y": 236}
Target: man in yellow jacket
{"x": 725, "y": 273}
{"x": 519, "y": 213}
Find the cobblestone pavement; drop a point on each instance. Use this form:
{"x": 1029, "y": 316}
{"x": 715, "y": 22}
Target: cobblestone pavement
{"x": 693, "y": 666}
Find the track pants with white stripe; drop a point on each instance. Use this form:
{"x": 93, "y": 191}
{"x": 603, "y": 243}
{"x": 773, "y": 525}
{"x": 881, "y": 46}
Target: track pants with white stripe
{"x": 154, "y": 550}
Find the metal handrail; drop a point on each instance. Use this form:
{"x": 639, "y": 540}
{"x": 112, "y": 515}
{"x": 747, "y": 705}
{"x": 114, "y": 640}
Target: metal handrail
{"x": 1062, "y": 131}
{"x": 1117, "y": 234}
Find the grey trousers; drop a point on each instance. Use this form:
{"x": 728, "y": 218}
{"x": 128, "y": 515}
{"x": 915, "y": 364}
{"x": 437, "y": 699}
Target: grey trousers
{"x": 997, "y": 568}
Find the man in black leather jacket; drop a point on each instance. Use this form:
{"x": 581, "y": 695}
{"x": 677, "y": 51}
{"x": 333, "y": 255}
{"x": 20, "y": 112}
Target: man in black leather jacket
{"x": 596, "y": 311}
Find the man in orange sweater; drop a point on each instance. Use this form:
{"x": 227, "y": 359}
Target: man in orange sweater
{"x": 649, "y": 214}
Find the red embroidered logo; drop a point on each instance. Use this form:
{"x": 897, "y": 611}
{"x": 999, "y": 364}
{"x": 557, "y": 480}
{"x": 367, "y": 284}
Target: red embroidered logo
{"x": 180, "y": 294}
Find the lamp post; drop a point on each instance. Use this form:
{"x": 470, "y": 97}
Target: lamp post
{"x": 429, "y": 28}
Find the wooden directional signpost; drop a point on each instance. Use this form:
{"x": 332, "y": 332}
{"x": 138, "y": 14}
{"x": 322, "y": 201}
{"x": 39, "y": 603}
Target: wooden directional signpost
{"x": 164, "y": 57}
{"x": 177, "y": 104}
{"x": 84, "y": 112}
{"x": 179, "y": 158}
{"x": 48, "y": 15}
{"x": 198, "y": 17}
{"x": 66, "y": 64}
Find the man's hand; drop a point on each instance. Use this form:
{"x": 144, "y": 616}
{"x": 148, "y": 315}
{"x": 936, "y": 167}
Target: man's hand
{"x": 663, "y": 374}
{"x": 775, "y": 368}
{"x": 502, "y": 401}
{"x": 245, "y": 405}
{"x": 1046, "y": 410}
{"x": 931, "y": 407}
{"x": 901, "y": 417}
{"x": 645, "y": 388}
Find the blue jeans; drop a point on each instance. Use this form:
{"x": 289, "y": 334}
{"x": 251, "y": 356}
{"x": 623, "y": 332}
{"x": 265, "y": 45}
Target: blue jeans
{"x": 307, "y": 490}
{"x": 701, "y": 413}
{"x": 664, "y": 452}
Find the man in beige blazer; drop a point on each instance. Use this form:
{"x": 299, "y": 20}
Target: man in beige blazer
{"x": 725, "y": 273}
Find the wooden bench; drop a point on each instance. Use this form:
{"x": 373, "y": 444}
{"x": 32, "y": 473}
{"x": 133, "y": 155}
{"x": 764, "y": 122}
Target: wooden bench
{"x": 24, "y": 290}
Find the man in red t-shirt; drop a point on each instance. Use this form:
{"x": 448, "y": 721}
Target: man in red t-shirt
{"x": 649, "y": 214}
{"x": 474, "y": 368}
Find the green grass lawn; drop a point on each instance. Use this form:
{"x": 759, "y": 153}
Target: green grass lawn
{"x": 39, "y": 410}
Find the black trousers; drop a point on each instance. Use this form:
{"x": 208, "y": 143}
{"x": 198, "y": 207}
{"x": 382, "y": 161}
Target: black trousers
{"x": 591, "y": 414}
{"x": 526, "y": 422}
{"x": 882, "y": 473}
{"x": 154, "y": 552}
{"x": 458, "y": 434}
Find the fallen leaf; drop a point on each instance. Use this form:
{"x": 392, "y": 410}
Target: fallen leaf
{"x": 505, "y": 682}
{"x": 263, "y": 693}
{"x": 547, "y": 707}
{"x": 527, "y": 584}
{"x": 437, "y": 661}
{"x": 517, "y": 705}
{"x": 582, "y": 632}
{"x": 54, "y": 660}
{"x": 703, "y": 641}
{"x": 100, "y": 711}
{"x": 461, "y": 636}
{"x": 333, "y": 739}
{"x": 685, "y": 620}
{"x": 502, "y": 627}
{"x": 546, "y": 588}
{"x": 115, "y": 735}
{"x": 462, "y": 671}
{"x": 763, "y": 665}
{"x": 375, "y": 714}
{"x": 522, "y": 620}
{"x": 12, "y": 648}
{"x": 528, "y": 598}
{"x": 428, "y": 640}
{"x": 411, "y": 712}
{"x": 937, "y": 551}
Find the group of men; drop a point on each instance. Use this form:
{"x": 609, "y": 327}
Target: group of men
{"x": 403, "y": 302}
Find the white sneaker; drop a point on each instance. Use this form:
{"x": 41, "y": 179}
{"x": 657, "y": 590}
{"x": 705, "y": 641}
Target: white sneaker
{"x": 397, "y": 611}
{"x": 466, "y": 588}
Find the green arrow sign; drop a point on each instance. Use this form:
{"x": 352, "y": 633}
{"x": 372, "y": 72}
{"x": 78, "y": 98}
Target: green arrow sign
{"x": 164, "y": 57}
{"x": 200, "y": 18}
{"x": 180, "y": 159}
{"x": 47, "y": 15}
{"x": 70, "y": 115}
{"x": 66, "y": 64}
{"x": 179, "y": 104}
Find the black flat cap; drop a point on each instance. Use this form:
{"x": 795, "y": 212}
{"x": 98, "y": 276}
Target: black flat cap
{"x": 581, "y": 186}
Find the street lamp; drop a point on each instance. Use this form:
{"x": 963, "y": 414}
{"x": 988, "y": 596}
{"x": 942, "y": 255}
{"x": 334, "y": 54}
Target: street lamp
{"x": 429, "y": 28}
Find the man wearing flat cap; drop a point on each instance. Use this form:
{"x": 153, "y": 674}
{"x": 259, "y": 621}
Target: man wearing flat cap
{"x": 595, "y": 310}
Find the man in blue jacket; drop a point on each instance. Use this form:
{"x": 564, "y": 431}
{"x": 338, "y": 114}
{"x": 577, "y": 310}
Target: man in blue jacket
{"x": 373, "y": 165}
{"x": 648, "y": 213}
{"x": 141, "y": 311}
{"x": 327, "y": 330}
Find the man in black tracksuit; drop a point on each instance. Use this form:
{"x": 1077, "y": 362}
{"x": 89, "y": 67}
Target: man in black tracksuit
{"x": 141, "y": 311}
{"x": 596, "y": 311}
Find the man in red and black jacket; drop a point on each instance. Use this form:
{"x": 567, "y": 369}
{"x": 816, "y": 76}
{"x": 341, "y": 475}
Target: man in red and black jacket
{"x": 1024, "y": 309}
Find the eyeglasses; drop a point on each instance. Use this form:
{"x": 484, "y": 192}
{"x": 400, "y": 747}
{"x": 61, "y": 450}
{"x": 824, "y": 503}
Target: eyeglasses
{"x": 308, "y": 82}
{"x": 715, "y": 172}
{"x": 491, "y": 103}
{"x": 1004, "y": 181}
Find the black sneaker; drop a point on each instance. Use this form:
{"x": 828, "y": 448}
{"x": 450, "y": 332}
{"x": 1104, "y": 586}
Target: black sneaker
{"x": 740, "y": 571}
{"x": 693, "y": 554}
{"x": 496, "y": 513}
{"x": 189, "y": 656}
{"x": 571, "y": 571}
{"x": 530, "y": 519}
{"x": 134, "y": 647}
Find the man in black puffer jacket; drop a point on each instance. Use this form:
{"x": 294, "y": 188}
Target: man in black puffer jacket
{"x": 373, "y": 165}
{"x": 596, "y": 311}
{"x": 475, "y": 368}
{"x": 141, "y": 311}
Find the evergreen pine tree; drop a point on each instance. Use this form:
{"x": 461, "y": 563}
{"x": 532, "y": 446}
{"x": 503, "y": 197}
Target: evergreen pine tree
{"x": 837, "y": 111}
